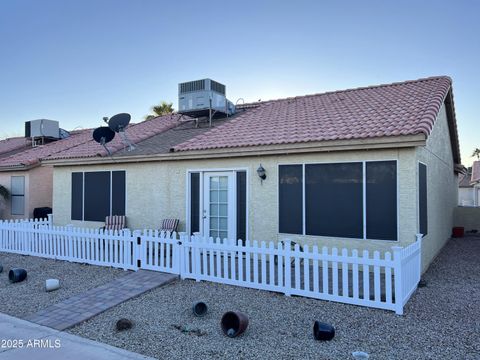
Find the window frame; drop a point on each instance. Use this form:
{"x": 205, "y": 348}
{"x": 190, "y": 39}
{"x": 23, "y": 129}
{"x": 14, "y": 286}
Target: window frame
{"x": 364, "y": 185}
{"x": 12, "y": 195}
{"x": 111, "y": 189}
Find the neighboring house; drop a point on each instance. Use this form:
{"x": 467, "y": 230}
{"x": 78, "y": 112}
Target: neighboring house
{"x": 466, "y": 190}
{"x": 30, "y": 182}
{"x": 475, "y": 182}
{"x": 365, "y": 168}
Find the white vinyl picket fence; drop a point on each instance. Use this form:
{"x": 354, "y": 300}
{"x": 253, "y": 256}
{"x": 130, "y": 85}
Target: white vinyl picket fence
{"x": 325, "y": 273}
{"x": 121, "y": 249}
{"x": 385, "y": 281}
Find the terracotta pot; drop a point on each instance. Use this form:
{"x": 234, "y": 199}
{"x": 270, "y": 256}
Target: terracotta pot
{"x": 234, "y": 323}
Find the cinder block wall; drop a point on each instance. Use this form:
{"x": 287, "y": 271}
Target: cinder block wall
{"x": 467, "y": 217}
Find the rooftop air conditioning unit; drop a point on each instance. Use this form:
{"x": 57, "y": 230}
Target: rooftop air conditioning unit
{"x": 197, "y": 98}
{"x": 42, "y": 128}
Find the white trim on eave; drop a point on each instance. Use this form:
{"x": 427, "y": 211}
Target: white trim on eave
{"x": 283, "y": 149}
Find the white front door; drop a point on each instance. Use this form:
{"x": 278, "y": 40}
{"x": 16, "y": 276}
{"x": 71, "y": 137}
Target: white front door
{"x": 219, "y": 208}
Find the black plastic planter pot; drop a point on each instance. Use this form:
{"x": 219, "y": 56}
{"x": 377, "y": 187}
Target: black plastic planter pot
{"x": 234, "y": 323}
{"x": 323, "y": 331}
{"x": 17, "y": 275}
{"x": 200, "y": 309}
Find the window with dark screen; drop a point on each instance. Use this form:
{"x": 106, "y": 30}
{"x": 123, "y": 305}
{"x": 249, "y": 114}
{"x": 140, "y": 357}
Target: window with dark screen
{"x": 334, "y": 200}
{"x": 353, "y": 199}
{"x": 381, "y": 200}
{"x": 422, "y": 198}
{"x": 98, "y": 194}
{"x": 290, "y": 199}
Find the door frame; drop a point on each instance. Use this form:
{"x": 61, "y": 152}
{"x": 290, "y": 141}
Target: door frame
{"x": 188, "y": 195}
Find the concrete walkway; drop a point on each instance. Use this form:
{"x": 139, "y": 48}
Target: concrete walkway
{"x": 83, "y": 306}
{"x": 38, "y": 342}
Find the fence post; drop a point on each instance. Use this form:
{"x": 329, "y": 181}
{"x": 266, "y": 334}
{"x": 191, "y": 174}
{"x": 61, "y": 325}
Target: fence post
{"x": 69, "y": 230}
{"x": 397, "y": 260}
{"x": 196, "y": 255}
{"x": 126, "y": 239}
{"x": 181, "y": 253}
{"x": 419, "y": 263}
{"x": 288, "y": 267}
{"x": 50, "y": 220}
{"x": 137, "y": 249}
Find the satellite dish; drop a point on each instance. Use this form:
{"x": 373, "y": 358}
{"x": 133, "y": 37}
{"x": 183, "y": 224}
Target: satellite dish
{"x": 103, "y": 135}
{"x": 119, "y": 123}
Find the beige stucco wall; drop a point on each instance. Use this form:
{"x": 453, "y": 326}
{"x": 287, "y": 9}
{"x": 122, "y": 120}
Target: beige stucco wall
{"x": 38, "y": 190}
{"x": 467, "y": 217}
{"x": 442, "y": 188}
{"x": 158, "y": 190}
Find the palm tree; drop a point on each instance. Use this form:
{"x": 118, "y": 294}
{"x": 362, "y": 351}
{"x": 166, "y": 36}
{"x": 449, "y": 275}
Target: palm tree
{"x": 476, "y": 153}
{"x": 163, "y": 108}
{"x": 4, "y": 193}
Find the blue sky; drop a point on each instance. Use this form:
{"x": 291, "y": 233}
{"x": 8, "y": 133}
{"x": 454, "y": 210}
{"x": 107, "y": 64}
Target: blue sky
{"x": 77, "y": 61}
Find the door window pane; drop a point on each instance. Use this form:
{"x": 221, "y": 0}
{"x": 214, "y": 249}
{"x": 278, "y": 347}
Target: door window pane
{"x": 381, "y": 198}
{"x": 218, "y": 222}
{"x": 334, "y": 199}
{"x": 213, "y": 209}
{"x": 223, "y": 210}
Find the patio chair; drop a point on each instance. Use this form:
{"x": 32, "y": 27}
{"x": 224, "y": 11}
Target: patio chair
{"x": 169, "y": 225}
{"x": 115, "y": 222}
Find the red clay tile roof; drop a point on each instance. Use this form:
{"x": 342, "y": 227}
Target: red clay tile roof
{"x": 465, "y": 178}
{"x": 11, "y": 144}
{"x": 32, "y": 155}
{"x": 475, "y": 172}
{"x": 135, "y": 133}
{"x": 405, "y": 108}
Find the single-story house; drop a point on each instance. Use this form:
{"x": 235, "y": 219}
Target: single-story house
{"x": 364, "y": 168}
{"x": 30, "y": 182}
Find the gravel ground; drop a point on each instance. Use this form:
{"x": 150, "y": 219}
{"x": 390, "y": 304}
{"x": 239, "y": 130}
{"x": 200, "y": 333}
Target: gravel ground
{"x": 442, "y": 320}
{"x": 29, "y": 296}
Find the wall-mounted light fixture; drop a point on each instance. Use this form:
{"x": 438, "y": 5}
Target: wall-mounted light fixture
{"x": 261, "y": 172}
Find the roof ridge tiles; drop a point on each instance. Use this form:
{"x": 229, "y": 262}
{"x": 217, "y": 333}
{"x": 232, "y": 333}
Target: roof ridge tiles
{"x": 367, "y": 87}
